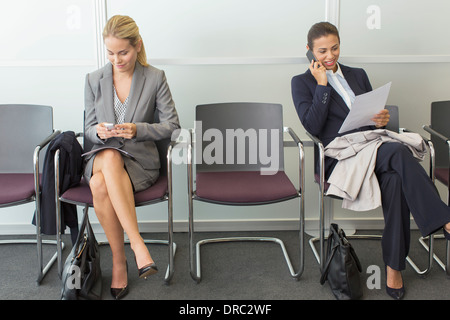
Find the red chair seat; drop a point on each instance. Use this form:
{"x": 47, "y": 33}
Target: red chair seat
{"x": 16, "y": 187}
{"x": 244, "y": 187}
{"x": 442, "y": 175}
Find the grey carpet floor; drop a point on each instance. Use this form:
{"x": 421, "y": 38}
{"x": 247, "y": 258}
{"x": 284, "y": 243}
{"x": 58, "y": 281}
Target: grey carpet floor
{"x": 231, "y": 271}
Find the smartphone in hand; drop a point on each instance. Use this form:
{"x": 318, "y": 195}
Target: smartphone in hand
{"x": 310, "y": 56}
{"x": 109, "y": 126}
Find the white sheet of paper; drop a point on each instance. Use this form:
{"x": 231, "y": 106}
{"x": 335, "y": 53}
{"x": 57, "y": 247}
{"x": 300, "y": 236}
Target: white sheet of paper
{"x": 365, "y": 107}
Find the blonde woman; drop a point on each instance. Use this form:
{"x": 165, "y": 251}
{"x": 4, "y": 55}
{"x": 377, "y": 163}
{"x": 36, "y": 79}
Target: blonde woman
{"x": 120, "y": 102}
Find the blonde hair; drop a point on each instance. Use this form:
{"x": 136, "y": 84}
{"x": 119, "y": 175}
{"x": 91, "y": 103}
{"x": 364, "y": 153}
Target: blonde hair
{"x": 123, "y": 27}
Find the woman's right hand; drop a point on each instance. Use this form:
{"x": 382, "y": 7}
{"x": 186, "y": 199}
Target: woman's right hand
{"x": 103, "y": 132}
{"x": 319, "y": 73}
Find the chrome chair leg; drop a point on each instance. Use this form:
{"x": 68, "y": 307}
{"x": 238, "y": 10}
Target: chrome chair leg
{"x": 43, "y": 270}
{"x": 197, "y": 275}
{"x": 445, "y": 266}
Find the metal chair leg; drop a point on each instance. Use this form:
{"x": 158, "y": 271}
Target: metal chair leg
{"x": 445, "y": 266}
{"x": 43, "y": 270}
{"x": 194, "y": 251}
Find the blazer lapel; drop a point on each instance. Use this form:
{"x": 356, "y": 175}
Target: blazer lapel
{"x": 339, "y": 101}
{"x": 351, "y": 80}
{"x": 106, "y": 86}
{"x": 137, "y": 85}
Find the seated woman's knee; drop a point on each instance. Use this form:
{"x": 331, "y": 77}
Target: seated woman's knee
{"x": 395, "y": 148}
{"x": 97, "y": 185}
{"x": 110, "y": 157}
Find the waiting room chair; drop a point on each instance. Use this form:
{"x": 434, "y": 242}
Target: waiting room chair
{"x": 160, "y": 191}
{"x": 25, "y": 131}
{"x": 238, "y": 177}
{"x": 319, "y": 156}
{"x": 439, "y": 130}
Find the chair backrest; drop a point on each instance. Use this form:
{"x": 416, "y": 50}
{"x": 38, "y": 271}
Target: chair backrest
{"x": 394, "y": 120}
{"x": 22, "y": 128}
{"x": 239, "y": 137}
{"x": 440, "y": 121}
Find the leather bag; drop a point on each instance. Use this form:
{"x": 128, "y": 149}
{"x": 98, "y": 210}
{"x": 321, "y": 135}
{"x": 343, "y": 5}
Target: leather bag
{"x": 82, "y": 276}
{"x": 342, "y": 268}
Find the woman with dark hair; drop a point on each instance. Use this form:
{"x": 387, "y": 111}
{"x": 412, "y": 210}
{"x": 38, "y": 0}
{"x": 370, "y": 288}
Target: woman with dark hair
{"x": 322, "y": 97}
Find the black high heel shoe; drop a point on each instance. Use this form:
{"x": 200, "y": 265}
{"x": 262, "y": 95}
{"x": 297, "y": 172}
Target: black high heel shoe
{"x": 146, "y": 270}
{"x": 119, "y": 293}
{"x": 396, "y": 294}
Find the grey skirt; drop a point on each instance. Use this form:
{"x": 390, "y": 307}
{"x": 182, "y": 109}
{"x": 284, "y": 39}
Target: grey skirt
{"x": 140, "y": 178}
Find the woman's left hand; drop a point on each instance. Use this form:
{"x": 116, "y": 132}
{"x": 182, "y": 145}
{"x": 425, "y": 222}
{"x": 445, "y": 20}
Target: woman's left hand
{"x": 381, "y": 119}
{"x": 125, "y": 130}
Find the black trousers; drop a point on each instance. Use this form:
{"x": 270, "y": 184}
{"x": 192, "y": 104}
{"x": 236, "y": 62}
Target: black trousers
{"x": 406, "y": 188}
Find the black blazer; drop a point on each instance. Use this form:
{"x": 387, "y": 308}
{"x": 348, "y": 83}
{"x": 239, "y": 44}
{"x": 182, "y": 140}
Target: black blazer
{"x": 321, "y": 109}
{"x": 71, "y": 170}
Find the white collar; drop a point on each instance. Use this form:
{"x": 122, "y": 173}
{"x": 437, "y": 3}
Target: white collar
{"x": 338, "y": 71}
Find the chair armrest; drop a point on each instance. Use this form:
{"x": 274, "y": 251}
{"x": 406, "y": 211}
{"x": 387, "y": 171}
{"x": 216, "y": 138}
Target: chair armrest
{"x": 190, "y": 168}
{"x": 170, "y": 148}
{"x": 410, "y": 131}
{"x": 56, "y": 168}
{"x": 435, "y": 133}
{"x": 427, "y": 140}
{"x": 190, "y": 147}
{"x": 318, "y": 143}
{"x": 321, "y": 148}
{"x": 441, "y": 137}
{"x": 301, "y": 156}
{"x": 37, "y": 150}
{"x": 438, "y": 135}
{"x": 36, "y": 173}
{"x": 432, "y": 153}
{"x": 49, "y": 138}
{"x": 172, "y": 145}
{"x": 293, "y": 135}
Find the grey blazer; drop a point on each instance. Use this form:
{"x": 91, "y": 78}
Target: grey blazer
{"x": 149, "y": 92}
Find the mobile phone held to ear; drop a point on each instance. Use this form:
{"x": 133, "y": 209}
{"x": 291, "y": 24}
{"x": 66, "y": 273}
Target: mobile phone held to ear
{"x": 310, "y": 56}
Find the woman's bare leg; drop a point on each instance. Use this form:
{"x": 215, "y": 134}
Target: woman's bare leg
{"x": 113, "y": 230}
{"x": 115, "y": 204}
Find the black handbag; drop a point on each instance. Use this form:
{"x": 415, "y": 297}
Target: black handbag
{"x": 82, "y": 276}
{"x": 342, "y": 269}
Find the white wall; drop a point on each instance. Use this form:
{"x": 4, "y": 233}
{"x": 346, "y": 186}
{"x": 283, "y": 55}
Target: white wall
{"x": 223, "y": 51}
